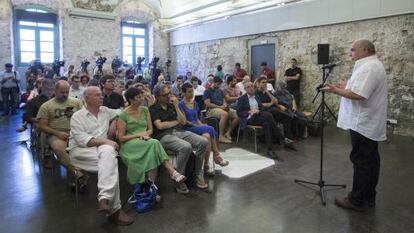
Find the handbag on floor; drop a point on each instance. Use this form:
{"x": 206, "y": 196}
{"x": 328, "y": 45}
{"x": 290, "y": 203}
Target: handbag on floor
{"x": 143, "y": 197}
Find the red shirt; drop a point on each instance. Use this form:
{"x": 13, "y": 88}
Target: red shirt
{"x": 239, "y": 74}
{"x": 269, "y": 73}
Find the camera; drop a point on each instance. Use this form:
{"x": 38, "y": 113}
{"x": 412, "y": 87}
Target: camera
{"x": 84, "y": 65}
{"x": 35, "y": 66}
{"x": 100, "y": 61}
{"x": 116, "y": 64}
{"x": 56, "y": 66}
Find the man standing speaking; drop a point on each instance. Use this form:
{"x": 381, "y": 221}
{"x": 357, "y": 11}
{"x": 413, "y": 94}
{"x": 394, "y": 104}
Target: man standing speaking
{"x": 363, "y": 111}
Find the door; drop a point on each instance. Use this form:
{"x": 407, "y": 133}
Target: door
{"x": 262, "y": 53}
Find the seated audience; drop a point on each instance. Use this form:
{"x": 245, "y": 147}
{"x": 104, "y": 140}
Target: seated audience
{"x": 141, "y": 153}
{"x": 111, "y": 99}
{"x": 176, "y": 87}
{"x": 216, "y": 107}
{"x": 76, "y": 90}
{"x": 209, "y": 82}
{"x": 288, "y": 101}
{"x": 160, "y": 80}
{"x": 84, "y": 81}
{"x": 241, "y": 84}
{"x": 70, "y": 72}
{"x": 54, "y": 120}
{"x": 190, "y": 109}
{"x": 250, "y": 109}
{"x": 33, "y": 105}
{"x": 198, "y": 93}
{"x": 168, "y": 119}
{"x": 239, "y": 73}
{"x": 148, "y": 97}
{"x": 271, "y": 104}
{"x": 91, "y": 150}
{"x": 95, "y": 81}
{"x": 231, "y": 93}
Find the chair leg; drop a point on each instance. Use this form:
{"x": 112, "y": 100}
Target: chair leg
{"x": 238, "y": 134}
{"x": 76, "y": 192}
{"x": 255, "y": 141}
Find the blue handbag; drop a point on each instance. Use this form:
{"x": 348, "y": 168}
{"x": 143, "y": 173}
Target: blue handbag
{"x": 143, "y": 197}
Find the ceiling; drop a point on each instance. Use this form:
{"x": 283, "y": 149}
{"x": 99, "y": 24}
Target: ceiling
{"x": 180, "y": 13}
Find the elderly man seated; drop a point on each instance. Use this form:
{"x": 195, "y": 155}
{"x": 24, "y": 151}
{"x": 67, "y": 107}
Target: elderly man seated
{"x": 54, "y": 120}
{"x": 217, "y": 107}
{"x": 91, "y": 150}
{"x": 251, "y": 110}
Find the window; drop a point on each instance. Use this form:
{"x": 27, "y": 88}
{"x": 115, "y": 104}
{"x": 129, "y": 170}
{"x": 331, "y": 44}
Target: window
{"x": 36, "y": 36}
{"x": 134, "y": 42}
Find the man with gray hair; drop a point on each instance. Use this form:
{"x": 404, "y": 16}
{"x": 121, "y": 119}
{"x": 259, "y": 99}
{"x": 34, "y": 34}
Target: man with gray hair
{"x": 168, "y": 119}
{"x": 92, "y": 150}
{"x": 363, "y": 111}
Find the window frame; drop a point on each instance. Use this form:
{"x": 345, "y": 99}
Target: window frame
{"x": 36, "y": 17}
{"x": 134, "y": 37}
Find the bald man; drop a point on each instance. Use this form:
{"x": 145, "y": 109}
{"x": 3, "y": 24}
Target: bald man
{"x": 54, "y": 120}
{"x": 92, "y": 150}
{"x": 363, "y": 111}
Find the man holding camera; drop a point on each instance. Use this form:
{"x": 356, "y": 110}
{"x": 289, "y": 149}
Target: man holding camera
{"x": 10, "y": 89}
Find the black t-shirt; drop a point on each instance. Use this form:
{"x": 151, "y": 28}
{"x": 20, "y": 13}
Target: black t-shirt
{"x": 113, "y": 100}
{"x": 263, "y": 97}
{"x": 33, "y": 106}
{"x": 293, "y": 85}
{"x": 158, "y": 113}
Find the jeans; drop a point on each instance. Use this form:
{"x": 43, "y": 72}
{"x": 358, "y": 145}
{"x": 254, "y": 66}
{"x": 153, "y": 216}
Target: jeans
{"x": 10, "y": 98}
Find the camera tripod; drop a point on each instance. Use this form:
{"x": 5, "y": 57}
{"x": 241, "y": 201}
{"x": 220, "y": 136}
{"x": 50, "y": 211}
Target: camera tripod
{"x": 321, "y": 183}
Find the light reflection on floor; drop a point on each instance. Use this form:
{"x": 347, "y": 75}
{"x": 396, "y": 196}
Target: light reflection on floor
{"x": 243, "y": 163}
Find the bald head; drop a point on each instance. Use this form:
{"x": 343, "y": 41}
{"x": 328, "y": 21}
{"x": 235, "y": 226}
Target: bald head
{"x": 61, "y": 84}
{"x": 61, "y": 90}
{"x": 366, "y": 44}
{"x": 93, "y": 97}
{"x": 361, "y": 49}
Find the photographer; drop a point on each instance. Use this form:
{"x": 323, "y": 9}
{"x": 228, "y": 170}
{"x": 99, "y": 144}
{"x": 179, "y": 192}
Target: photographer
{"x": 10, "y": 89}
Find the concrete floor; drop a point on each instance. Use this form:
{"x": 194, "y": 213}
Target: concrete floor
{"x": 267, "y": 201}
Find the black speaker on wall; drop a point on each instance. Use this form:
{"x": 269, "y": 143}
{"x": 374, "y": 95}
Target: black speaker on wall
{"x": 323, "y": 53}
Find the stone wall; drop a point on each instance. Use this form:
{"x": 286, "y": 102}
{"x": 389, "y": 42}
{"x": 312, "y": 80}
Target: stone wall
{"x": 87, "y": 37}
{"x": 392, "y": 36}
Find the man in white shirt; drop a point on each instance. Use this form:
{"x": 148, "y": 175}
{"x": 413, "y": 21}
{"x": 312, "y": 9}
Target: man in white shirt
{"x": 91, "y": 150}
{"x": 363, "y": 111}
{"x": 10, "y": 91}
{"x": 75, "y": 90}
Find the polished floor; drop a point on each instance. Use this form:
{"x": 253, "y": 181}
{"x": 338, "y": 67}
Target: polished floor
{"x": 266, "y": 200}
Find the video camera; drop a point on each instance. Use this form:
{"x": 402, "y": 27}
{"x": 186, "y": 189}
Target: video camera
{"x": 100, "y": 61}
{"x": 35, "y": 66}
{"x": 84, "y": 65}
{"x": 56, "y": 66}
{"x": 116, "y": 64}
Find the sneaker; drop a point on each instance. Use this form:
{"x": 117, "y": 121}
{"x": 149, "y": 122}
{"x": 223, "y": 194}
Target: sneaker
{"x": 182, "y": 188}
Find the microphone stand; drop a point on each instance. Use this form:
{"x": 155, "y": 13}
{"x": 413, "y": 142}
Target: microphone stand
{"x": 321, "y": 183}
{"x": 324, "y": 78}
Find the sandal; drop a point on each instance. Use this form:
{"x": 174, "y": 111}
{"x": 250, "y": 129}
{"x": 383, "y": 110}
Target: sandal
{"x": 208, "y": 172}
{"x": 201, "y": 183}
{"x": 177, "y": 177}
{"x": 220, "y": 161}
{"x": 182, "y": 188}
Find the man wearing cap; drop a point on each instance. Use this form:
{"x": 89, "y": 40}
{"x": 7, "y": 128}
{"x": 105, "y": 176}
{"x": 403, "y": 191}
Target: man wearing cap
{"x": 9, "y": 89}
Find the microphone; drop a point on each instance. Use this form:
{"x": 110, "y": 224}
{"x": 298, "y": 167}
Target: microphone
{"x": 330, "y": 66}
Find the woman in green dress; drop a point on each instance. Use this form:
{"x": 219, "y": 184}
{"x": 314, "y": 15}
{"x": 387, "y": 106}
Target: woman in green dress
{"x": 141, "y": 153}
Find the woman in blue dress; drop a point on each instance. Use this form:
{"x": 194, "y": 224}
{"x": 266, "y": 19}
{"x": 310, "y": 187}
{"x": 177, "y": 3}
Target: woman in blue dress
{"x": 190, "y": 109}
